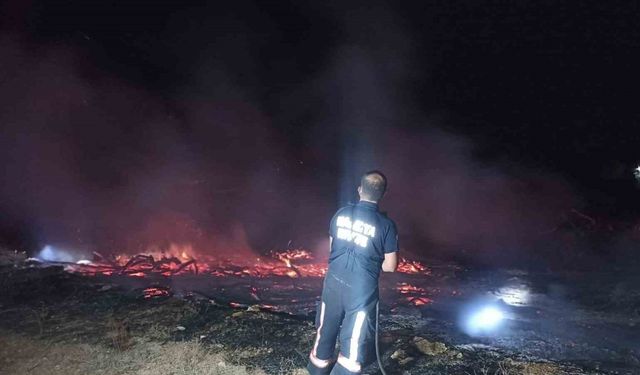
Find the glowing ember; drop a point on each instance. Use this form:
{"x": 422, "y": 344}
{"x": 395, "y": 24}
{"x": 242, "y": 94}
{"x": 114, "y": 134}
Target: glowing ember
{"x": 296, "y": 254}
{"x": 180, "y": 260}
{"x": 292, "y": 274}
{"x": 413, "y": 267}
{"x": 288, "y": 256}
{"x": 405, "y": 288}
{"x": 152, "y": 292}
{"x": 414, "y": 295}
{"x": 420, "y": 301}
{"x": 166, "y": 264}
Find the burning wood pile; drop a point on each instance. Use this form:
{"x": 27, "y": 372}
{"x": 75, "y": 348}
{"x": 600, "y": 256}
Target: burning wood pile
{"x": 169, "y": 264}
{"x": 290, "y": 263}
{"x": 264, "y": 276}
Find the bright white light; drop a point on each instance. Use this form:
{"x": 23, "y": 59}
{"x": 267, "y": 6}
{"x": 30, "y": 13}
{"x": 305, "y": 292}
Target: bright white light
{"x": 636, "y": 172}
{"x": 51, "y": 254}
{"x": 487, "y": 318}
{"x": 514, "y": 295}
{"x": 484, "y": 320}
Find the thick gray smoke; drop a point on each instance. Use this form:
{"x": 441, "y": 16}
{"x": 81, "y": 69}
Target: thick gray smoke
{"x": 100, "y": 164}
{"x": 443, "y": 199}
{"x": 92, "y": 162}
{"x": 452, "y": 202}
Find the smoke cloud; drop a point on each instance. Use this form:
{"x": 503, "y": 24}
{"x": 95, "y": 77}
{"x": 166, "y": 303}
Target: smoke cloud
{"x": 96, "y": 162}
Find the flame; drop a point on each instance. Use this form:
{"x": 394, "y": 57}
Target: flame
{"x": 182, "y": 259}
{"x": 412, "y": 267}
{"x": 292, "y": 274}
{"x": 178, "y": 260}
{"x": 152, "y": 292}
{"x": 420, "y": 301}
{"x": 405, "y": 288}
{"x": 414, "y": 295}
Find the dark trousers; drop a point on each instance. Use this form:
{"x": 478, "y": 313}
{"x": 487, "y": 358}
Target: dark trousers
{"x": 346, "y": 312}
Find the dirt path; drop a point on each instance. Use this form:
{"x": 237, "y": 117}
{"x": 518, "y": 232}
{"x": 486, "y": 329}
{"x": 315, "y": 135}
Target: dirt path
{"x": 25, "y": 355}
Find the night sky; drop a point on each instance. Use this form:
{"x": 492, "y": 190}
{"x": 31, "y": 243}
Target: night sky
{"x": 521, "y": 88}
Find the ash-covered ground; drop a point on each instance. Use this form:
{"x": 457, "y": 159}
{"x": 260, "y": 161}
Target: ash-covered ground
{"x": 552, "y": 323}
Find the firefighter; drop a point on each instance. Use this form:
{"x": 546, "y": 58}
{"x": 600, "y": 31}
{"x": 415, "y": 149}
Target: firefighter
{"x": 363, "y": 242}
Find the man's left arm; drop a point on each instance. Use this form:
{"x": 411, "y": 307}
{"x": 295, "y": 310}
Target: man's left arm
{"x": 391, "y": 247}
{"x": 390, "y": 262}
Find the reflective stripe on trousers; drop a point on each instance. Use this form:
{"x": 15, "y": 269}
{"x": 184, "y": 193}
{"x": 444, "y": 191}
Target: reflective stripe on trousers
{"x": 313, "y": 356}
{"x": 348, "y": 314}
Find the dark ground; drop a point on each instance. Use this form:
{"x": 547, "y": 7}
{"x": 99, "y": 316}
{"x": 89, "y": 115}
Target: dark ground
{"x": 56, "y": 308}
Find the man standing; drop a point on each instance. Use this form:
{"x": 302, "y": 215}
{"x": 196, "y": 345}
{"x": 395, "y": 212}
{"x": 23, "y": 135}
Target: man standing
{"x": 363, "y": 241}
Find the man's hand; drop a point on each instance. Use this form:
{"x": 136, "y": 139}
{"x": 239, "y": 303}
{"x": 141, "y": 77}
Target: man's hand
{"x": 390, "y": 262}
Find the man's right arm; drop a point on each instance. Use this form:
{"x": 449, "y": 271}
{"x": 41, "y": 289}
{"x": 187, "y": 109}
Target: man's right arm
{"x": 332, "y": 230}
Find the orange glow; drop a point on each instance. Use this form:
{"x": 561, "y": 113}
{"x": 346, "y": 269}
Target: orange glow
{"x": 155, "y": 292}
{"x": 180, "y": 260}
{"x": 414, "y": 295}
{"x": 405, "y": 288}
{"x": 420, "y": 301}
{"x": 412, "y": 267}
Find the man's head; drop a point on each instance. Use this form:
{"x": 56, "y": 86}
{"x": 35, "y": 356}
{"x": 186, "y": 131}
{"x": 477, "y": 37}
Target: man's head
{"x": 372, "y": 186}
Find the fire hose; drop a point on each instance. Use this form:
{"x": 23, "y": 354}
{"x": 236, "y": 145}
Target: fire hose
{"x": 377, "y": 334}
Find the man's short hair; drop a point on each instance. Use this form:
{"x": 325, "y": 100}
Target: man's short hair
{"x": 373, "y": 184}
